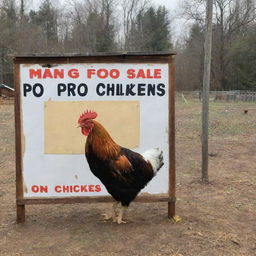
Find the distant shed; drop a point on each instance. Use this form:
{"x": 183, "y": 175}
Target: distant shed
{"x": 6, "y": 91}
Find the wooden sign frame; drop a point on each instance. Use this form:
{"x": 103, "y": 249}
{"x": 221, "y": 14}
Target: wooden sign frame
{"x": 47, "y": 61}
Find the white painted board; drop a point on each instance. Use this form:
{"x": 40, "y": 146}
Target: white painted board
{"x": 66, "y": 175}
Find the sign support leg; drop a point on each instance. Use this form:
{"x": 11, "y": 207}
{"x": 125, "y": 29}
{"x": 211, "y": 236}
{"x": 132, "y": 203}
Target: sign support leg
{"x": 20, "y": 213}
{"x": 171, "y": 210}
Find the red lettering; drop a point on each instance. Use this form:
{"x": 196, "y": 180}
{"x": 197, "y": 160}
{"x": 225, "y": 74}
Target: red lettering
{"x": 97, "y": 188}
{"x": 131, "y": 73}
{"x": 91, "y": 188}
{"x": 58, "y": 189}
{"x": 90, "y": 72}
{"x": 65, "y": 189}
{"x": 76, "y": 188}
{"x": 73, "y": 73}
{"x": 47, "y": 74}
{"x": 35, "y": 73}
{"x": 141, "y": 74}
{"x": 35, "y": 189}
{"x": 44, "y": 189}
{"x": 39, "y": 189}
{"x": 58, "y": 73}
{"x": 68, "y": 188}
{"x": 114, "y": 73}
{"x": 157, "y": 73}
{"x": 84, "y": 188}
{"x": 102, "y": 73}
{"x": 149, "y": 74}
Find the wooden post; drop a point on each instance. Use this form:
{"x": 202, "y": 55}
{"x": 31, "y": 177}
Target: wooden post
{"x": 172, "y": 171}
{"x": 206, "y": 86}
{"x": 20, "y": 208}
{"x": 2, "y": 68}
{"x": 20, "y": 213}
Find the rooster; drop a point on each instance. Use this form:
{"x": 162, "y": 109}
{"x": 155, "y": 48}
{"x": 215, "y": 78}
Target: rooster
{"x": 122, "y": 171}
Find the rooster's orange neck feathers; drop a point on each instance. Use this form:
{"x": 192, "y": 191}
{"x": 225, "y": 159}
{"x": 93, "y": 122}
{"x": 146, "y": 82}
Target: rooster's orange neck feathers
{"x": 101, "y": 143}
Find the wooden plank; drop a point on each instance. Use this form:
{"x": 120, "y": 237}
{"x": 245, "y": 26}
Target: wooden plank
{"x": 91, "y": 199}
{"x": 172, "y": 171}
{"x": 102, "y": 54}
{"x": 19, "y": 184}
{"x": 93, "y": 59}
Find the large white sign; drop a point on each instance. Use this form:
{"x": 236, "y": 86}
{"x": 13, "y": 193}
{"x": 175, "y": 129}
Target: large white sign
{"x": 132, "y": 104}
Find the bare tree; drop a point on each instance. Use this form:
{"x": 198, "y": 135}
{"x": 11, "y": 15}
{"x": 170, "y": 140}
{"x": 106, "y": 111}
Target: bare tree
{"x": 231, "y": 17}
{"x": 130, "y": 10}
{"x": 94, "y": 27}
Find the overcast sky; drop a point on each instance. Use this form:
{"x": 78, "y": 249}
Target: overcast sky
{"x": 173, "y": 6}
{"x": 170, "y": 4}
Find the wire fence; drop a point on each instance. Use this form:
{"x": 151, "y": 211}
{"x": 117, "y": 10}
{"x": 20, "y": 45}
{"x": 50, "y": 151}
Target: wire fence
{"x": 238, "y": 95}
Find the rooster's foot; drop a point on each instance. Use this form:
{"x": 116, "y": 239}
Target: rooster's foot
{"x": 106, "y": 216}
{"x": 120, "y": 215}
{"x": 121, "y": 222}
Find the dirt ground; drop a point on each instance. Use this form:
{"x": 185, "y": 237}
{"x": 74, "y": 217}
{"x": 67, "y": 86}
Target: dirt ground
{"x": 217, "y": 219}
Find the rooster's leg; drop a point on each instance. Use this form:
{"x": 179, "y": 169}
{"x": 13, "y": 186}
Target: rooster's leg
{"x": 112, "y": 213}
{"x": 115, "y": 211}
{"x": 120, "y": 215}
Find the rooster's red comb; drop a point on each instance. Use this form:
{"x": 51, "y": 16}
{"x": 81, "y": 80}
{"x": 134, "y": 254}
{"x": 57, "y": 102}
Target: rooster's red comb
{"x": 88, "y": 114}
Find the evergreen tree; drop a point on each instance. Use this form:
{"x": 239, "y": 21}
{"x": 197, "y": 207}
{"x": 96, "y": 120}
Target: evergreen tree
{"x": 243, "y": 61}
{"x": 190, "y": 60}
{"x": 151, "y": 31}
{"x": 46, "y": 19}
{"x": 8, "y": 30}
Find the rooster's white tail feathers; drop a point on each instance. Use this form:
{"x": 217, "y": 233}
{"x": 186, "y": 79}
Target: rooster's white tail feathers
{"x": 155, "y": 157}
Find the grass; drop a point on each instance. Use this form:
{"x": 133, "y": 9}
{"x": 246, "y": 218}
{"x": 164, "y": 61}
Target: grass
{"x": 225, "y": 119}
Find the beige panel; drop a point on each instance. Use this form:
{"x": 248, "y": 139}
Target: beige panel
{"x": 120, "y": 118}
